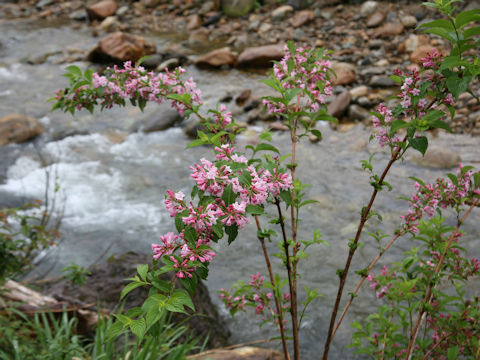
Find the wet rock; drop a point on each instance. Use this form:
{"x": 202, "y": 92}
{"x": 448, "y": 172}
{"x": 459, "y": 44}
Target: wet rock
{"x": 236, "y": 8}
{"x": 151, "y": 3}
{"x": 192, "y": 128}
{"x": 409, "y": 21}
{"x": 79, "y": 15}
{"x": 261, "y": 55}
{"x": 43, "y": 3}
{"x": 420, "y": 52}
{"x": 376, "y": 19}
{"x": 212, "y": 19}
{"x": 242, "y": 353}
{"x": 302, "y": 17}
{"x": 368, "y": 8}
{"x": 152, "y": 62}
{"x": 264, "y": 28}
{"x": 119, "y": 47}
{"x": 389, "y": 29}
{"x": 168, "y": 64}
{"x": 281, "y": 12}
{"x": 359, "y": 91}
{"x": 102, "y": 9}
{"x": 194, "y": 22}
{"x": 108, "y": 279}
{"x": 243, "y": 97}
{"x": 216, "y": 58}
{"x": 436, "y": 157}
{"x": 299, "y": 35}
{"x": 161, "y": 119}
{"x": 299, "y": 4}
{"x": 278, "y": 126}
{"x": 345, "y": 73}
{"x": 207, "y": 6}
{"x": 16, "y": 128}
{"x": 199, "y": 37}
{"x": 381, "y": 81}
{"x": 338, "y": 106}
{"x": 109, "y": 23}
{"x": 356, "y": 112}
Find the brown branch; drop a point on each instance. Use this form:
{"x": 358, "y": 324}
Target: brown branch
{"x": 277, "y": 302}
{"x": 353, "y": 247}
{"x": 429, "y": 295}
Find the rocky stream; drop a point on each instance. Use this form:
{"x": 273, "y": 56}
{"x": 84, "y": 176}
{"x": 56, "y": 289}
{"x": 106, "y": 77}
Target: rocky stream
{"x": 112, "y": 168}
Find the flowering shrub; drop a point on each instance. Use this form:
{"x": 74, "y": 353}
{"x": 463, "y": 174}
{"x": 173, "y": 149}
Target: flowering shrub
{"x": 236, "y": 186}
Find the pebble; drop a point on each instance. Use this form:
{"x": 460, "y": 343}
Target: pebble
{"x": 368, "y": 7}
{"x": 381, "y": 81}
{"x": 281, "y": 12}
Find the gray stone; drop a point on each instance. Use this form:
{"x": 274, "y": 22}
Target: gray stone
{"x": 236, "y": 8}
{"x": 281, "y": 12}
{"x": 338, "y": 106}
{"x": 368, "y": 7}
{"x": 299, "y": 4}
{"x": 356, "y": 112}
{"x": 43, "y": 3}
{"x": 163, "y": 118}
{"x": 436, "y": 157}
{"x": 381, "y": 81}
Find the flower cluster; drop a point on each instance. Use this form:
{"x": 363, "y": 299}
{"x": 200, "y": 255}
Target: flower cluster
{"x": 300, "y": 68}
{"x": 439, "y": 195}
{"x": 253, "y": 295}
{"x": 229, "y": 193}
{"x": 382, "y": 122}
{"x": 132, "y": 83}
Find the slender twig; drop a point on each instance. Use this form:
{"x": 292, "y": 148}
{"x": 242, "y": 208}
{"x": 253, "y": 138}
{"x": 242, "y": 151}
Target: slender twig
{"x": 386, "y": 332}
{"x": 364, "y": 276}
{"x": 293, "y": 273}
{"x": 353, "y": 248}
{"x": 429, "y": 294}
{"x": 277, "y": 302}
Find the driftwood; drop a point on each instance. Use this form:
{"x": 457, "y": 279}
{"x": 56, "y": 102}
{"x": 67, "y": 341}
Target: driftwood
{"x": 30, "y": 302}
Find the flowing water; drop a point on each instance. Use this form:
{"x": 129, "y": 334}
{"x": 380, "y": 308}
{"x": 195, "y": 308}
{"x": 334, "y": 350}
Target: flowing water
{"x": 112, "y": 183}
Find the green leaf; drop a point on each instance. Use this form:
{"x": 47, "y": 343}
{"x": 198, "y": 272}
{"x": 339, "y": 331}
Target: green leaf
{"x": 439, "y": 124}
{"x": 306, "y": 202}
{"x": 286, "y": 196}
{"x": 397, "y": 79}
{"x": 453, "y": 353}
{"x": 326, "y": 117}
{"x": 457, "y": 85}
{"x": 228, "y": 195}
{"x": 266, "y": 147}
{"x": 471, "y": 32}
{"x": 129, "y": 287}
{"x": 139, "y": 327}
{"x": 317, "y": 133}
{"x": 114, "y": 330}
{"x": 179, "y": 224}
{"x": 190, "y": 234}
{"x": 74, "y": 70}
{"x": 441, "y": 23}
{"x": 450, "y": 36}
{"x": 190, "y": 284}
{"x": 232, "y": 232}
{"x": 466, "y": 17}
{"x": 178, "y": 301}
{"x": 255, "y": 209}
{"x": 273, "y": 83}
{"x": 142, "y": 59}
{"x": 420, "y": 144}
{"x": 142, "y": 271}
{"x": 196, "y": 142}
{"x": 397, "y": 124}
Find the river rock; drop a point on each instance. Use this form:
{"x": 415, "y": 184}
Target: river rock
{"x": 436, "y": 157}
{"x": 109, "y": 23}
{"x": 241, "y": 353}
{"x": 108, "y": 279}
{"x": 389, "y": 29}
{"x": 359, "y": 91}
{"x": 420, "y": 52}
{"x": 243, "y": 97}
{"x": 151, "y": 3}
{"x": 161, "y": 119}
{"x": 216, "y": 58}
{"x": 381, "y": 81}
{"x": 16, "y": 128}
{"x": 356, "y": 112}
{"x": 194, "y": 22}
{"x": 199, "y": 37}
{"x": 102, "y": 9}
{"x": 152, "y": 62}
{"x": 281, "y": 12}
{"x": 120, "y": 47}
{"x": 299, "y": 4}
{"x": 376, "y": 19}
{"x": 338, "y": 106}
{"x": 345, "y": 73}
{"x": 236, "y": 8}
{"x": 368, "y": 8}
{"x": 261, "y": 55}
{"x": 302, "y": 17}
{"x": 409, "y": 21}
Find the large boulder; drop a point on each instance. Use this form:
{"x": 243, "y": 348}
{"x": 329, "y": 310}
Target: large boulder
{"x": 216, "y": 58}
{"x": 236, "y": 8}
{"x": 16, "y": 128}
{"x": 102, "y": 9}
{"x": 119, "y": 47}
{"x": 261, "y": 55}
{"x": 107, "y": 280}
{"x": 241, "y": 353}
